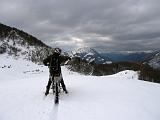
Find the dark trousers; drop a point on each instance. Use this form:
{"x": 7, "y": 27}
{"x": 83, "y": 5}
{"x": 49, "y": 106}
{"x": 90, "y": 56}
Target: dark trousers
{"x": 50, "y": 82}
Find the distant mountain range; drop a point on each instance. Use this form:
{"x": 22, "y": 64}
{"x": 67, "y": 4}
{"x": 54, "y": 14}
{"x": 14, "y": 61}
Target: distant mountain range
{"x": 90, "y": 55}
{"x": 127, "y": 56}
{"x": 148, "y": 57}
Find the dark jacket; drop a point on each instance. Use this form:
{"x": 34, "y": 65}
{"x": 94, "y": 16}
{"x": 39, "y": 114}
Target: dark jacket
{"x": 55, "y": 67}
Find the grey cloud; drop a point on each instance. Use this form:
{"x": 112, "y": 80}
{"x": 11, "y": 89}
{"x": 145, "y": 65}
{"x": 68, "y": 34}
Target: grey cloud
{"x": 125, "y": 22}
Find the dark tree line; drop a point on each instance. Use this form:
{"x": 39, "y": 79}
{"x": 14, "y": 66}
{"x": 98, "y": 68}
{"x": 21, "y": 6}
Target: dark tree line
{"x": 145, "y": 71}
{"x": 148, "y": 73}
{"x": 81, "y": 66}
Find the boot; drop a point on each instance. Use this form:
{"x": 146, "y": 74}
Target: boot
{"x": 63, "y": 86}
{"x": 47, "y": 91}
{"x": 66, "y": 91}
{"x": 48, "y": 87}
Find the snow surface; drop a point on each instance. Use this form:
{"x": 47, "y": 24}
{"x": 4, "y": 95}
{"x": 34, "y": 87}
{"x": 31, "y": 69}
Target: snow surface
{"x": 116, "y": 97}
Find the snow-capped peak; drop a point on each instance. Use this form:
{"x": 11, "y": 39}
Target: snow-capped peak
{"x": 83, "y": 50}
{"x": 90, "y": 55}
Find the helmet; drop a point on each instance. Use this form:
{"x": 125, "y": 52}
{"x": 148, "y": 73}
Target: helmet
{"x": 57, "y": 50}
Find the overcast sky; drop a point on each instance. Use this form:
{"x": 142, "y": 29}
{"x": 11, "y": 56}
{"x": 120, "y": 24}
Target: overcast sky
{"x": 106, "y": 25}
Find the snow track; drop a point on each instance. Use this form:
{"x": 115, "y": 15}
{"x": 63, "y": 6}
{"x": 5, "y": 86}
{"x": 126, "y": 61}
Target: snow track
{"x": 54, "y": 113}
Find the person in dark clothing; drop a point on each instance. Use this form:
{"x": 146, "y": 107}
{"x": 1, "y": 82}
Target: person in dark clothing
{"x": 53, "y": 62}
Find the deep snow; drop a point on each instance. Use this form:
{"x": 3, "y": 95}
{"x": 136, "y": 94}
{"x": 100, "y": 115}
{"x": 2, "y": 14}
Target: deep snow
{"x": 116, "y": 97}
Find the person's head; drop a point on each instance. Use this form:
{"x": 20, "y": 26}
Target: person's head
{"x": 57, "y": 51}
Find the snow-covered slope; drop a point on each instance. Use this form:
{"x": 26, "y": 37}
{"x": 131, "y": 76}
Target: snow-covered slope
{"x": 116, "y": 97}
{"x": 90, "y": 55}
{"x": 19, "y": 44}
{"x": 155, "y": 61}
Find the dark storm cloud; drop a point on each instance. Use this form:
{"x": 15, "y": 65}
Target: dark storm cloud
{"x": 101, "y": 24}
